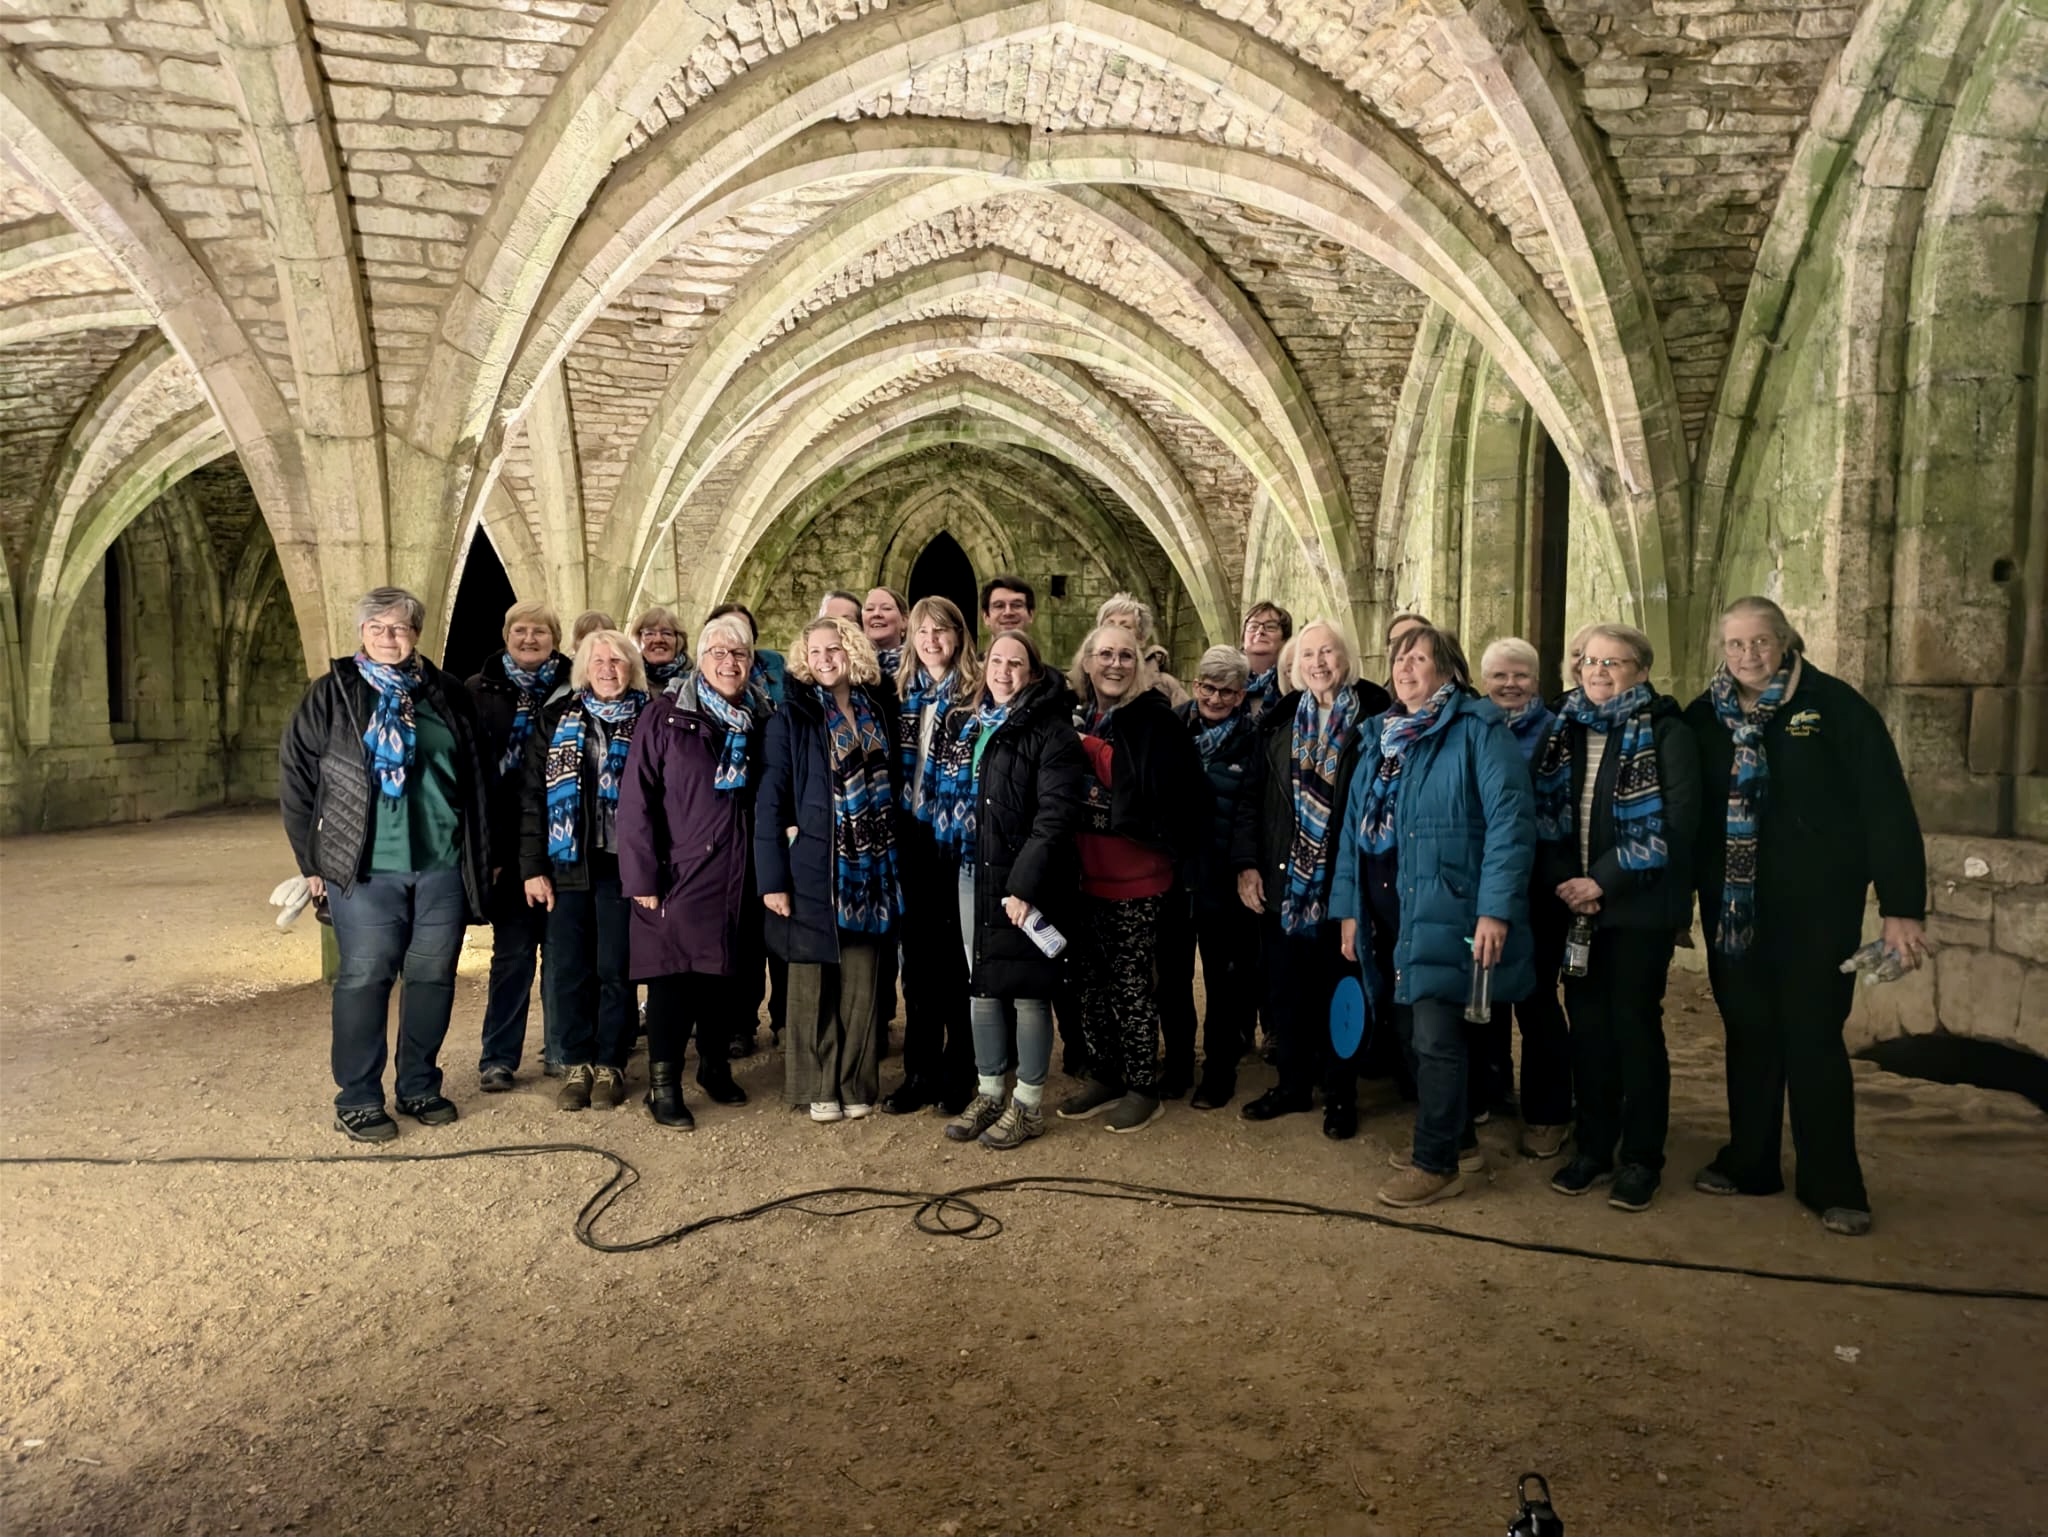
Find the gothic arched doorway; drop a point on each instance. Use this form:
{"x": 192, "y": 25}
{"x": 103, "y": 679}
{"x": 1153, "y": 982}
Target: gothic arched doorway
{"x": 944, "y": 571}
{"x": 477, "y": 627}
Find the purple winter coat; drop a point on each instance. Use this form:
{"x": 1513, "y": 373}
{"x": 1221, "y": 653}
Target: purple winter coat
{"x": 682, "y": 839}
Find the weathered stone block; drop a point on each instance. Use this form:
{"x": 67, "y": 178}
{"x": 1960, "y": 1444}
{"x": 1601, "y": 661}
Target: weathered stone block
{"x": 1993, "y": 726}
{"x": 112, "y": 68}
{"x": 1959, "y": 802}
{"x": 1977, "y": 992}
{"x": 1962, "y": 899}
{"x": 2006, "y": 861}
{"x": 1970, "y": 933}
{"x": 2033, "y": 1026}
{"x": 2021, "y": 925}
{"x": 1904, "y": 1007}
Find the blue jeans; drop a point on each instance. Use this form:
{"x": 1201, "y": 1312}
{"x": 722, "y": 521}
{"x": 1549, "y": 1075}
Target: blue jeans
{"x": 390, "y": 926}
{"x": 517, "y": 933}
{"x": 1433, "y": 1031}
{"x": 586, "y": 960}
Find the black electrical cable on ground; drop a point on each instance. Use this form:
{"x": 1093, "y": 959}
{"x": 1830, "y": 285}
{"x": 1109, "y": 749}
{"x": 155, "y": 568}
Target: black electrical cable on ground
{"x": 957, "y": 1213}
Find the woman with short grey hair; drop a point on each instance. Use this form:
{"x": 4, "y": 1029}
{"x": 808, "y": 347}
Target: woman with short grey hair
{"x": 383, "y": 795}
{"x": 1817, "y": 813}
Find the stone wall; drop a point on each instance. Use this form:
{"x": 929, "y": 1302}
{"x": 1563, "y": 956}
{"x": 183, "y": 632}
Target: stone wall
{"x": 1988, "y": 918}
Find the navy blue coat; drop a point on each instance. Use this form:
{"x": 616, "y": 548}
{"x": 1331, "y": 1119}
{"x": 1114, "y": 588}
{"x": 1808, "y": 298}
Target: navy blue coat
{"x": 796, "y": 791}
{"x": 1465, "y": 835}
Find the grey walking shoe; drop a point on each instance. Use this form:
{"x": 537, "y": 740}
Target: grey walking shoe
{"x": 1014, "y": 1128}
{"x": 1134, "y": 1112}
{"x": 981, "y": 1113}
{"x": 1092, "y": 1098}
{"x": 1846, "y": 1220}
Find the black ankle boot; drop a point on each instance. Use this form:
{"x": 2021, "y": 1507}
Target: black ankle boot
{"x": 665, "y": 1097}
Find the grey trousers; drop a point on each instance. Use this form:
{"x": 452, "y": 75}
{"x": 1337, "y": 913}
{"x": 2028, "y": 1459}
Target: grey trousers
{"x": 830, "y": 1049}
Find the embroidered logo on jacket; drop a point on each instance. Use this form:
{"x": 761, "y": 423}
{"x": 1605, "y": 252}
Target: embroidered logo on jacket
{"x": 1805, "y": 723}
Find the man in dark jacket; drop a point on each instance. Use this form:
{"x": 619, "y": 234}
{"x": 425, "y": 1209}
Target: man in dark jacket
{"x": 510, "y": 693}
{"x": 383, "y": 797}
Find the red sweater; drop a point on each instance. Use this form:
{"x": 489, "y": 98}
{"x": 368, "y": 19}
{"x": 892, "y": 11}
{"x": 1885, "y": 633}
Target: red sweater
{"x": 1113, "y": 868}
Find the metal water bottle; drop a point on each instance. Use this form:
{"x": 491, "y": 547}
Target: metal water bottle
{"x": 1578, "y": 946}
{"x": 1535, "y": 1518}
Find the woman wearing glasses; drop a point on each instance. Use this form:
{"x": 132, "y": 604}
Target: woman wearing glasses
{"x": 383, "y": 795}
{"x": 1817, "y": 811}
{"x": 1285, "y": 850}
{"x": 1209, "y": 917}
{"x": 659, "y": 635}
{"x": 686, "y": 826}
{"x": 1617, "y": 807}
{"x": 1144, "y": 807}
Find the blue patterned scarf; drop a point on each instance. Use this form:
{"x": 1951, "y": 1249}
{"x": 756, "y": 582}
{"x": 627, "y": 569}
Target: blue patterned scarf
{"x": 865, "y": 894}
{"x": 1749, "y": 781}
{"x": 739, "y": 723}
{"x": 954, "y": 803}
{"x": 534, "y": 688}
{"x": 1318, "y": 747}
{"x": 661, "y": 674}
{"x": 909, "y": 725}
{"x": 1209, "y": 738}
{"x": 1262, "y": 691}
{"x": 392, "y": 734}
{"x": 564, "y": 769}
{"x": 891, "y": 658}
{"x": 1638, "y": 794}
{"x": 1401, "y": 732}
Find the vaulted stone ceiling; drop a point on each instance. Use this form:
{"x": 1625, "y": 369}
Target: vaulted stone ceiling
{"x": 622, "y": 284}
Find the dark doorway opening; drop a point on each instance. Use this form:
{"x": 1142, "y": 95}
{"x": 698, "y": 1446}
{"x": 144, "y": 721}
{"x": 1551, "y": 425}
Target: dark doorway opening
{"x": 120, "y": 666}
{"x": 1946, "y": 1058}
{"x": 944, "y": 571}
{"x": 477, "y": 628}
{"x": 1551, "y": 540}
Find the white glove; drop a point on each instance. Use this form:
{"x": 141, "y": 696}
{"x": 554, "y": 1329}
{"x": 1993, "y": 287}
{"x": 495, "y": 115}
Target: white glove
{"x": 293, "y": 896}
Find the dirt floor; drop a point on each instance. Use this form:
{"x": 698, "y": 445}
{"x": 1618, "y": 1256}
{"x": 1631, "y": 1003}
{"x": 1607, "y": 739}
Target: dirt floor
{"x": 424, "y": 1347}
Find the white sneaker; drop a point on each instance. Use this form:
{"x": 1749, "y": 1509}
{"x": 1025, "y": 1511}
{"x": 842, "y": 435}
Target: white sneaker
{"x": 859, "y": 1112}
{"x": 826, "y": 1110}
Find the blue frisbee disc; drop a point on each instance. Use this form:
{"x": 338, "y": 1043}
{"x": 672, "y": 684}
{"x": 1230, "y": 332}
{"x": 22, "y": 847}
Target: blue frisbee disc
{"x": 1347, "y": 1016}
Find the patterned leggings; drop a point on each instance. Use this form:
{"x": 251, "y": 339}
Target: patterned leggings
{"x": 1113, "y": 959}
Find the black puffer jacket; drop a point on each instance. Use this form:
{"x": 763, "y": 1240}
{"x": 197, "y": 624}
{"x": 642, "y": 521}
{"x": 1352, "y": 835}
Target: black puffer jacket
{"x": 497, "y": 706}
{"x": 1263, "y": 839}
{"x": 1659, "y": 900}
{"x": 1158, "y": 794}
{"x": 327, "y": 785}
{"x": 1025, "y": 815}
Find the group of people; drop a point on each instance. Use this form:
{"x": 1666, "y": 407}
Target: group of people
{"x": 1384, "y": 880}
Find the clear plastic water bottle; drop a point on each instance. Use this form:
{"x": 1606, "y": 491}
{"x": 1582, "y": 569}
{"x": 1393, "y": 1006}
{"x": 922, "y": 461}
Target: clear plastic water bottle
{"x": 1876, "y": 963}
{"x": 1479, "y": 996}
{"x": 1578, "y": 946}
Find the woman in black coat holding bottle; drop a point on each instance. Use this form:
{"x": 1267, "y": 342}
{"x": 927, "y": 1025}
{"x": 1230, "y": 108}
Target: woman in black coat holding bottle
{"x": 1816, "y": 811}
{"x": 1011, "y": 800}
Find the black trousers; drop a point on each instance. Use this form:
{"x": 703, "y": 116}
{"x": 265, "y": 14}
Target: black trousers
{"x": 1546, "y": 1097}
{"x": 699, "y": 1002}
{"x": 1619, "y": 1065}
{"x": 1783, "y": 1007}
{"x": 938, "y": 1045}
{"x": 586, "y": 964}
{"x": 756, "y": 971}
{"x": 1301, "y": 973}
{"x": 1225, "y": 933}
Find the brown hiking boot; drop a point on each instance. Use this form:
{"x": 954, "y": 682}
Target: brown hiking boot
{"x": 574, "y": 1093}
{"x": 1419, "y": 1187}
{"x": 607, "y": 1087}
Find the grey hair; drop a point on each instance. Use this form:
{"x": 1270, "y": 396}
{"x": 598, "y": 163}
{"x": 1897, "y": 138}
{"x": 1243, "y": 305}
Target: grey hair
{"x": 620, "y": 643}
{"x": 1510, "y": 647}
{"x": 1127, "y": 603}
{"x": 385, "y": 600}
{"x": 1343, "y": 641}
{"x": 1789, "y": 639}
{"x": 1630, "y": 637}
{"x": 733, "y": 627}
{"x": 1225, "y": 665}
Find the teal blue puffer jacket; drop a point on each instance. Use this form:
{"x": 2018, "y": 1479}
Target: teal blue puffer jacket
{"x": 1465, "y": 833}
